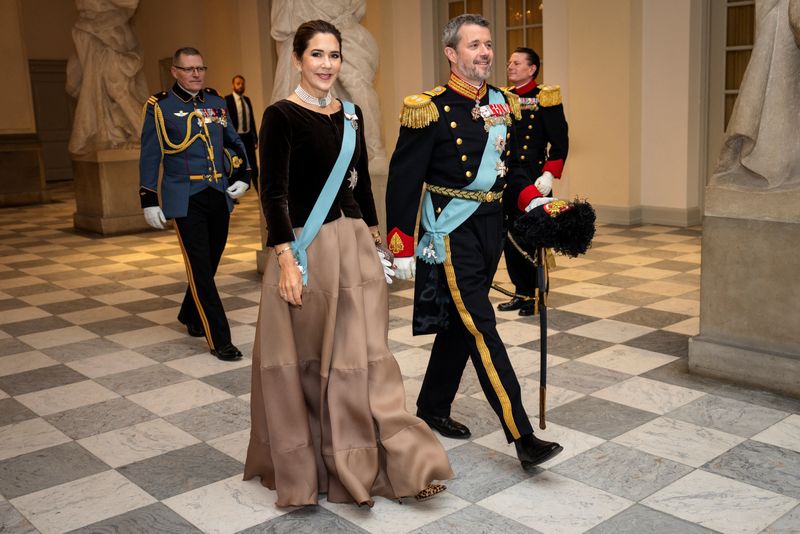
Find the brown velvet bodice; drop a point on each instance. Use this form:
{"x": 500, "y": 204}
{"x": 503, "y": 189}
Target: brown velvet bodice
{"x": 298, "y": 148}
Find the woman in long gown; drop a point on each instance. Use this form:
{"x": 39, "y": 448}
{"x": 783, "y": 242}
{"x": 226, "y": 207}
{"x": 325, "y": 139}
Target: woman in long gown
{"x": 327, "y": 405}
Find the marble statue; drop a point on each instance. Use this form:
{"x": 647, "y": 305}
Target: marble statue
{"x": 359, "y": 61}
{"x": 106, "y": 77}
{"x": 761, "y": 147}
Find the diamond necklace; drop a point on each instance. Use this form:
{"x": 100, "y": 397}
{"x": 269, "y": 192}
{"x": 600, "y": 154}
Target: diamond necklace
{"x": 314, "y": 101}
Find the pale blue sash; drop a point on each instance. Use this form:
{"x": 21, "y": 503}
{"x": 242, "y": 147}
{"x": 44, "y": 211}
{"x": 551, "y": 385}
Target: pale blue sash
{"x": 329, "y": 191}
{"x": 431, "y": 245}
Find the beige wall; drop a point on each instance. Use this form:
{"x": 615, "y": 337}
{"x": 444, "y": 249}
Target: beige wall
{"x": 603, "y": 78}
{"x": 15, "y": 91}
{"x": 48, "y": 28}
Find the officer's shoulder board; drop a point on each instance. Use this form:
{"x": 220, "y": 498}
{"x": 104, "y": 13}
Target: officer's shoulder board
{"x": 549, "y": 96}
{"x": 419, "y": 110}
{"x": 211, "y": 91}
{"x": 513, "y": 102}
{"x": 152, "y": 101}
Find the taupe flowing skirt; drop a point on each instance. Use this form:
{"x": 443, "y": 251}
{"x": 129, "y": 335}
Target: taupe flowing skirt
{"x": 327, "y": 402}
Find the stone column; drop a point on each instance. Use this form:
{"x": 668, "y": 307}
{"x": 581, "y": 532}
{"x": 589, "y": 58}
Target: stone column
{"x": 22, "y": 178}
{"x": 750, "y": 284}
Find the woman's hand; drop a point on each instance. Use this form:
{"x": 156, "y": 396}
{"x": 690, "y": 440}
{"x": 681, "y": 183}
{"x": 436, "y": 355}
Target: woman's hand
{"x": 290, "y": 285}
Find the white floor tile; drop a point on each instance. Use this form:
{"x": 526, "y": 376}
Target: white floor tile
{"x": 679, "y": 441}
{"x": 610, "y": 330}
{"x": 178, "y": 397}
{"x": 24, "y": 361}
{"x": 234, "y": 445}
{"x": 60, "y": 336}
{"x": 81, "y": 502}
{"x": 784, "y": 434}
{"x": 552, "y": 503}
{"x": 138, "y": 442}
{"x": 62, "y": 398}
{"x": 201, "y": 365}
{"x": 390, "y": 517}
{"x": 625, "y": 359}
{"x": 145, "y": 336}
{"x": 227, "y": 506}
{"x": 28, "y": 436}
{"x": 91, "y": 315}
{"x": 650, "y": 395}
{"x": 720, "y": 503}
{"x": 413, "y": 362}
{"x": 597, "y": 307}
{"x": 22, "y": 314}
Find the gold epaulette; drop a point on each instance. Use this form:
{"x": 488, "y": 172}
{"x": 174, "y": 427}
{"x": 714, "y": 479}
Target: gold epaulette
{"x": 550, "y": 95}
{"x": 419, "y": 110}
{"x": 513, "y": 102}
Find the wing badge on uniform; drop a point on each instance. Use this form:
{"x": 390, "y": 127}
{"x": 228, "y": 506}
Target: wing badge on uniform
{"x": 180, "y": 113}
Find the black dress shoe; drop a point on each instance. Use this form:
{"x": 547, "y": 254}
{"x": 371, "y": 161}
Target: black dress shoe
{"x": 513, "y": 304}
{"x": 528, "y": 308}
{"x": 533, "y": 451}
{"x": 446, "y": 426}
{"x": 228, "y": 353}
{"x": 195, "y": 330}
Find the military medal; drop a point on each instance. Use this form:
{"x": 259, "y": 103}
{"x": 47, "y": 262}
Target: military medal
{"x": 353, "y": 118}
{"x": 353, "y": 179}
{"x": 476, "y": 111}
{"x": 531, "y": 104}
{"x": 500, "y": 143}
{"x": 501, "y": 168}
{"x": 494, "y": 114}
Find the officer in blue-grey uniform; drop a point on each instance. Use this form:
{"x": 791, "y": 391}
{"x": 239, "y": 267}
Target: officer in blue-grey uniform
{"x": 459, "y": 142}
{"x": 187, "y": 129}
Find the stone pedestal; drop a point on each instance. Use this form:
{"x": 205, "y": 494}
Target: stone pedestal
{"x": 22, "y": 179}
{"x": 107, "y": 192}
{"x": 750, "y": 290}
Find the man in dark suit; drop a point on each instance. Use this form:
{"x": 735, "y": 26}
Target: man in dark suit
{"x": 241, "y": 113}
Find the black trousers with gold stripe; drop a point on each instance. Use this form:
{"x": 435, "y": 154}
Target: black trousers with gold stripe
{"x": 473, "y": 254}
{"x": 202, "y": 235}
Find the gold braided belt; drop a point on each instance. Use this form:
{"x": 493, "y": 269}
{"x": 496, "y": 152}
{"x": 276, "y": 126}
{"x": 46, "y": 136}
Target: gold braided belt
{"x": 480, "y": 196}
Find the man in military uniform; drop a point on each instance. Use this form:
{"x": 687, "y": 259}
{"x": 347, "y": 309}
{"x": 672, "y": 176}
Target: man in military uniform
{"x": 543, "y": 146}
{"x": 187, "y": 128}
{"x": 458, "y": 141}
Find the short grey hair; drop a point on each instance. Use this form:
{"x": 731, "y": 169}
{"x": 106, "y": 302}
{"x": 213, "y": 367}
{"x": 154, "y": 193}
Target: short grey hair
{"x": 450, "y": 32}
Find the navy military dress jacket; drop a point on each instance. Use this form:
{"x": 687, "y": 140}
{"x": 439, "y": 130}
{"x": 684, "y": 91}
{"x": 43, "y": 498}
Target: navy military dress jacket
{"x": 542, "y": 136}
{"x": 188, "y": 135}
{"x": 441, "y": 143}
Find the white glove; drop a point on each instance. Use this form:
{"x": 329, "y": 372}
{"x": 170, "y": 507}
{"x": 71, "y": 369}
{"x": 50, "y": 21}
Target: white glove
{"x": 237, "y": 189}
{"x": 155, "y": 217}
{"x": 536, "y": 202}
{"x": 405, "y": 268}
{"x": 387, "y": 266}
{"x": 544, "y": 183}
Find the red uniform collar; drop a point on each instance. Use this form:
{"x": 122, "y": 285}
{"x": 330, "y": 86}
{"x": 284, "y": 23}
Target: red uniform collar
{"x": 466, "y": 89}
{"x": 526, "y": 87}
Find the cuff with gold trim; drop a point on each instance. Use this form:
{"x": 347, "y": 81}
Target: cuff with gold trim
{"x": 399, "y": 243}
{"x": 147, "y": 197}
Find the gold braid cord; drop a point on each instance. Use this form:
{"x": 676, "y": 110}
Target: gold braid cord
{"x": 188, "y": 139}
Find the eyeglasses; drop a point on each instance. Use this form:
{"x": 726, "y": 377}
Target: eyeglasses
{"x": 193, "y": 70}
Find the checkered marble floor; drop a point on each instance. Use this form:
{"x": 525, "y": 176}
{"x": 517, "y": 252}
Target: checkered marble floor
{"x": 113, "y": 419}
